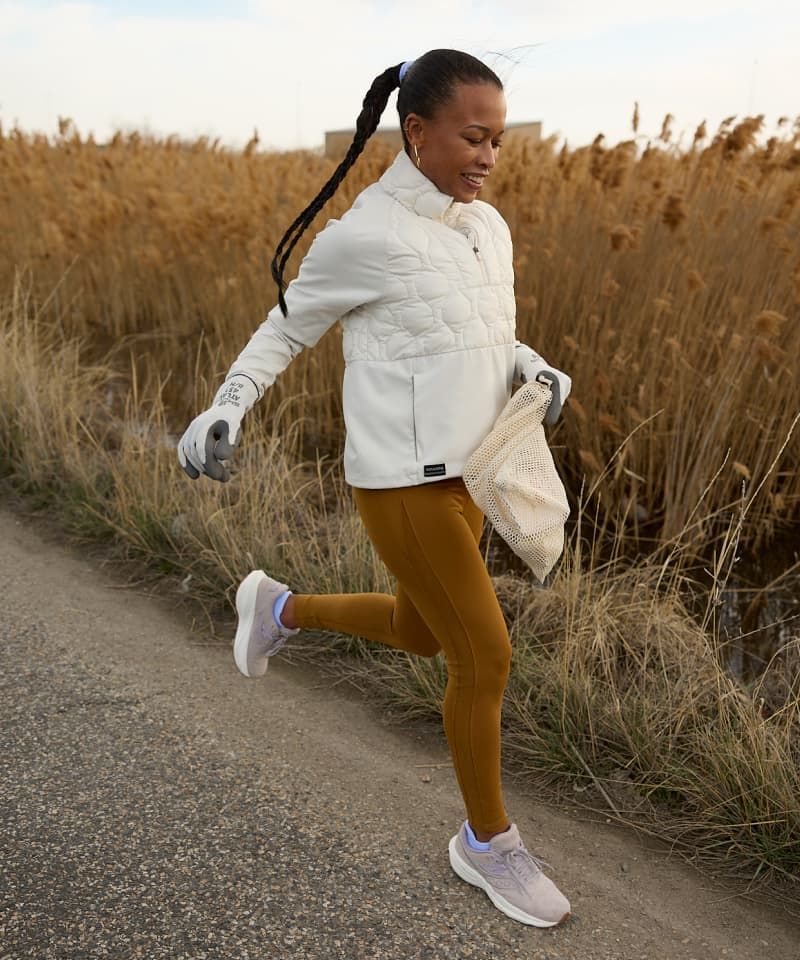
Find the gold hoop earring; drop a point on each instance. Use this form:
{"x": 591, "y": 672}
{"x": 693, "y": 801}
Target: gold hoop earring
{"x": 416, "y": 156}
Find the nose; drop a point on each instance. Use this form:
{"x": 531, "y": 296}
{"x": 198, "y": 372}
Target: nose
{"x": 487, "y": 156}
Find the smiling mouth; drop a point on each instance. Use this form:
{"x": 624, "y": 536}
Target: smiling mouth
{"x": 474, "y": 179}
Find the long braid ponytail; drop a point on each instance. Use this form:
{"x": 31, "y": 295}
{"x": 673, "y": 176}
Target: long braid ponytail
{"x": 372, "y": 108}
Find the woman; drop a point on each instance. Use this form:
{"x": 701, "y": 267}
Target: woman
{"x": 419, "y": 272}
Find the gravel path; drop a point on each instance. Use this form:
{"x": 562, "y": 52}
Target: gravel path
{"x": 154, "y": 803}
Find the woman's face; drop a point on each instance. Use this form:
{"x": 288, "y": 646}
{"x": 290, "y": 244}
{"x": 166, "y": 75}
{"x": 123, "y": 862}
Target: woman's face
{"x": 458, "y": 145}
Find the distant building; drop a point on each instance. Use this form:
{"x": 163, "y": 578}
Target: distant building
{"x": 337, "y": 141}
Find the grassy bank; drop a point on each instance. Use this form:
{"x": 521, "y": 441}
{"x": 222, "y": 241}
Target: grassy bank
{"x": 613, "y": 684}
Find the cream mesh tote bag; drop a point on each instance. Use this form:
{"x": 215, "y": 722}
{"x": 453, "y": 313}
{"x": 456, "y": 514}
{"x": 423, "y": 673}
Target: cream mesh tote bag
{"x": 513, "y": 479}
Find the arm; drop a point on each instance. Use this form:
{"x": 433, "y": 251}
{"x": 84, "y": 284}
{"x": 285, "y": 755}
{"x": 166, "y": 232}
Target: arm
{"x": 343, "y": 269}
{"x": 528, "y": 365}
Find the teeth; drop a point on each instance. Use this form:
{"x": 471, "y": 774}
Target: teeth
{"x": 476, "y": 180}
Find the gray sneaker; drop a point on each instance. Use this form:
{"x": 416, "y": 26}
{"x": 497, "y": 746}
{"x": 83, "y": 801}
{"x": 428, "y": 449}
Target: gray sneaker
{"x": 258, "y": 637}
{"x": 512, "y": 878}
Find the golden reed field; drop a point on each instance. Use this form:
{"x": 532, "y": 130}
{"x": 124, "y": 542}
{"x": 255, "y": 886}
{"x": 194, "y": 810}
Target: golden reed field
{"x": 666, "y": 283}
{"x": 663, "y": 660}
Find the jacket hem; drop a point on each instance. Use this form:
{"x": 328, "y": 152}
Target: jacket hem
{"x": 387, "y": 482}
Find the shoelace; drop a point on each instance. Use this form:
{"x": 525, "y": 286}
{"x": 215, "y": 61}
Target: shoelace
{"x": 266, "y": 633}
{"x": 524, "y": 864}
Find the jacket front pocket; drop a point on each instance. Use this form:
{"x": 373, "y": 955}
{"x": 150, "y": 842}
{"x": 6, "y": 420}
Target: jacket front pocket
{"x": 414, "y": 414}
{"x": 456, "y": 398}
{"x": 378, "y": 412}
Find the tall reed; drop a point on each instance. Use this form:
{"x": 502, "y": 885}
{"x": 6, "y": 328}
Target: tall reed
{"x": 666, "y": 282}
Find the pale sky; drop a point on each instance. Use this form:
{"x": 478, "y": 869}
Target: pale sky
{"x": 295, "y": 68}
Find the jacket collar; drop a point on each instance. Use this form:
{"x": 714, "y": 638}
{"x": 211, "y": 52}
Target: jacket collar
{"x": 409, "y": 186}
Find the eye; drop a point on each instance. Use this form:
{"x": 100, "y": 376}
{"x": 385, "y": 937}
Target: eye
{"x": 474, "y": 142}
{"x": 497, "y": 145}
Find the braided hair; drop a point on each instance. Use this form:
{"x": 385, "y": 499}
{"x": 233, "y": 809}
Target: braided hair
{"x": 427, "y": 84}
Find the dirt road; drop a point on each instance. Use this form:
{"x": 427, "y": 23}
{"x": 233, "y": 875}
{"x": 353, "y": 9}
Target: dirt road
{"x": 157, "y": 804}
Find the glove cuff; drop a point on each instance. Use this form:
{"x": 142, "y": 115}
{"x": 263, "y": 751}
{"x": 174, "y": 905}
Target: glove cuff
{"x": 532, "y": 367}
{"x": 239, "y": 392}
{"x": 527, "y": 362}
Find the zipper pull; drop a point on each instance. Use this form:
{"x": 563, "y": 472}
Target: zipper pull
{"x": 471, "y": 239}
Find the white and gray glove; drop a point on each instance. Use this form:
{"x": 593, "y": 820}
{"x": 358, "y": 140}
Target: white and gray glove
{"x": 559, "y": 383}
{"x": 212, "y": 435}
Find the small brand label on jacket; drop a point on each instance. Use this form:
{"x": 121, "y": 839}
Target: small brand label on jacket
{"x": 435, "y": 470}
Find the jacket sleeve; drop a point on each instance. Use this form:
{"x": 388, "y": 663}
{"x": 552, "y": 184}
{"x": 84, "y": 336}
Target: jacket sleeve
{"x": 524, "y": 356}
{"x": 343, "y": 269}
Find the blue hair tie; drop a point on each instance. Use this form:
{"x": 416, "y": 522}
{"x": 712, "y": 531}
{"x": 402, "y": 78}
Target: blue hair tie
{"x": 404, "y": 69}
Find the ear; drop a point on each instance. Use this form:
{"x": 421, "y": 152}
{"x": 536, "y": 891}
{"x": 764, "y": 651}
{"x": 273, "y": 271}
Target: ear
{"x": 414, "y": 127}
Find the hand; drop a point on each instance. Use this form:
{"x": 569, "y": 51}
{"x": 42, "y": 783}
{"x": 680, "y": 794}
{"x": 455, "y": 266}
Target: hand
{"x": 212, "y": 436}
{"x": 559, "y": 383}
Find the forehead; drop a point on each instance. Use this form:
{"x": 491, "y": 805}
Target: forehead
{"x": 480, "y": 103}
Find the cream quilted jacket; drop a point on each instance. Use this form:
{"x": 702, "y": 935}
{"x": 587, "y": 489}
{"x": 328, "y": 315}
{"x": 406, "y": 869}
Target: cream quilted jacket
{"x": 424, "y": 289}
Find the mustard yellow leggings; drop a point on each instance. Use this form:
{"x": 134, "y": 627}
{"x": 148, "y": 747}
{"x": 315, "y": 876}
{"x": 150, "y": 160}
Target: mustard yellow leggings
{"x": 428, "y": 535}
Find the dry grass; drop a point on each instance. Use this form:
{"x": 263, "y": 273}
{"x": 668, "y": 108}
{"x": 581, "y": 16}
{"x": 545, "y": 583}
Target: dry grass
{"x": 614, "y": 686}
{"x": 666, "y": 282}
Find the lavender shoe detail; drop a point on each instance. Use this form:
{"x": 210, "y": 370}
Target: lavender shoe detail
{"x": 511, "y": 877}
{"x": 258, "y": 637}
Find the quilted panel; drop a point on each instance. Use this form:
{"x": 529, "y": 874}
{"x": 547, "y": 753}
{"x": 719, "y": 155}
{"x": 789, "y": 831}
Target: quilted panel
{"x": 440, "y": 294}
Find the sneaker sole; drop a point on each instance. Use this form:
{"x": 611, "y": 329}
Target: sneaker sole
{"x": 246, "y": 608}
{"x": 471, "y": 875}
